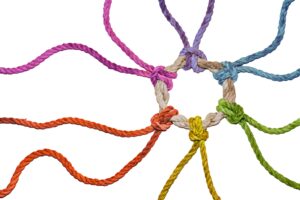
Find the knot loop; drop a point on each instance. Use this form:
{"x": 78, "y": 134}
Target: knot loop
{"x": 162, "y": 121}
{"x": 192, "y": 54}
{"x": 159, "y": 73}
{"x": 197, "y": 133}
{"x": 228, "y": 71}
{"x": 233, "y": 112}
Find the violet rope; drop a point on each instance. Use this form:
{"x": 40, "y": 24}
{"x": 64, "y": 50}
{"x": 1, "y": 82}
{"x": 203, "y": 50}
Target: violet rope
{"x": 192, "y": 53}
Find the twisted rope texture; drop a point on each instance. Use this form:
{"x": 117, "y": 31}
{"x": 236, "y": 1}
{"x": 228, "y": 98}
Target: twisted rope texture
{"x": 235, "y": 115}
{"x": 159, "y": 122}
{"x": 198, "y": 136}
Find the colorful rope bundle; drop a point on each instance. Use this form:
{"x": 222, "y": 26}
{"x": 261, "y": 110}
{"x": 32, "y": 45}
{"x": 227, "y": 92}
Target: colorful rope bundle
{"x": 190, "y": 57}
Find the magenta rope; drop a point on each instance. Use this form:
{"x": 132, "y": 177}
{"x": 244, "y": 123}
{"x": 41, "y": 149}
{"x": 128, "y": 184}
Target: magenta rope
{"x": 72, "y": 46}
{"x": 117, "y": 40}
{"x": 155, "y": 73}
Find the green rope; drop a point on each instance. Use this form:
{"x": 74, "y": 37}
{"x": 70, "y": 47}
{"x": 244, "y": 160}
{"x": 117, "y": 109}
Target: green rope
{"x": 273, "y": 131}
{"x": 234, "y": 113}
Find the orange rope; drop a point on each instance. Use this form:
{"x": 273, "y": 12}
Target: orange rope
{"x": 167, "y": 113}
{"x": 67, "y": 164}
{"x": 160, "y": 122}
{"x": 76, "y": 121}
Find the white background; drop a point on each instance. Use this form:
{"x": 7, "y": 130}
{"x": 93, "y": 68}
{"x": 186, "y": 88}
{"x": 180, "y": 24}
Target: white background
{"x": 74, "y": 84}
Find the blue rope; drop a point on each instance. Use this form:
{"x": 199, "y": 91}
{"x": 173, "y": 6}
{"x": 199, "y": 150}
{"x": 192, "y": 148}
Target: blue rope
{"x": 232, "y": 69}
{"x": 276, "y": 42}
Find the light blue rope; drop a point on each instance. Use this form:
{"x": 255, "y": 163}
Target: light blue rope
{"x": 276, "y": 42}
{"x": 232, "y": 69}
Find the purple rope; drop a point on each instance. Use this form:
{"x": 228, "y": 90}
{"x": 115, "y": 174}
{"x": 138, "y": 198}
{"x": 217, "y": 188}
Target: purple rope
{"x": 174, "y": 23}
{"x": 205, "y": 23}
{"x": 191, "y": 53}
{"x": 156, "y": 74}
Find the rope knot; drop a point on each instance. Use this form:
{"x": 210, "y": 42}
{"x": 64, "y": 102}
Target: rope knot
{"x": 192, "y": 54}
{"x": 228, "y": 71}
{"x": 234, "y": 113}
{"x": 159, "y": 73}
{"x": 161, "y": 121}
{"x": 197, "y": 133}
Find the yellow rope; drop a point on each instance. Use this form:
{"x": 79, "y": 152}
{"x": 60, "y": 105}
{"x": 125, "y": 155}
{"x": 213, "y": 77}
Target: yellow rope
{"x": 177, "y": 171}
{"x": 198, "y": 136}
{"x": 208, "y": 178}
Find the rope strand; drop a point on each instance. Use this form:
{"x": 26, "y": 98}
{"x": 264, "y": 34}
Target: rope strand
{"x": 234, "y": 113}
{"x": 206, "y": 170}
{"x": 159, "y": 122}
{"x": 76, "y": 121}
{"x": 72, "y": 171}
{"x": 198, "y": 136}
{"x": 275, "y": 43}
{"x": 263, "y": 161}
{"x": 157, "y": 73}
{"x": 177, "y": 171}
{"x": 229, "y": 71}
{"x": 72, "y": 46}
{"x": 191, "y": 53}
{"x": 117, "y": 40}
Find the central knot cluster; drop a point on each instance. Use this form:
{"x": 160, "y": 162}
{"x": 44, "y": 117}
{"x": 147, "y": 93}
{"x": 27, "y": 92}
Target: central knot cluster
{"x": 228, "y": 71}
{"x": 162, "y": 120}
{"x": 233, "y": 112}
{"x": 197, "y": 133}
{"x": 160, "y": 73}
{"x": 192, "y": 54}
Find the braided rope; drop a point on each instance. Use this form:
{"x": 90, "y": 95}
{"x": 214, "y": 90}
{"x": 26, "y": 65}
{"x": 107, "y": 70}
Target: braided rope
{"x": 191, "y": 53}
{"x": 226, "y": 73}
{"x": 160, "y": 122}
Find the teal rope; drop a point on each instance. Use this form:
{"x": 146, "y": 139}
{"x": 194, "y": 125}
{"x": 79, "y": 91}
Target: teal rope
{"x": 232, "y": 69}
{"x": 276, "y": 42}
